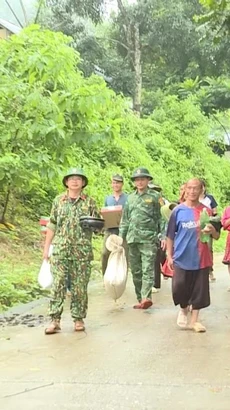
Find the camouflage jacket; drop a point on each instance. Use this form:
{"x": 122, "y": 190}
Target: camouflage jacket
{"x": 70, "y": 240}
{"x": 141, "y": 219}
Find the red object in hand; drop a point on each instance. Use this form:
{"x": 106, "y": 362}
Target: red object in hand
{"x": 166, "y": 270}
{"x": 44, "y": 221}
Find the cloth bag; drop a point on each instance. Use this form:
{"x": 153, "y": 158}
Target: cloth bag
{"x": 115, "y": 277}
{"x": 45, "y": 277}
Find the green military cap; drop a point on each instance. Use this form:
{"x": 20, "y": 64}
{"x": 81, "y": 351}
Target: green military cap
{"x": 118, "y": 178}
{"x": 141, "y": 172}
{"x": 75, "y": 171}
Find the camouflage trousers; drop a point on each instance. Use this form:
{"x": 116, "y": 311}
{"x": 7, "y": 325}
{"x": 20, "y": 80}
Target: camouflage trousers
{"x": 79, "y": 273}
{"x": 142, "y": 259}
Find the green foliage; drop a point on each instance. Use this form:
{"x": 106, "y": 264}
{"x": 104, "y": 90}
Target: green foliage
{"x": 68, "y": 9}
{"x": 20, "y": 260}
{"x": 51, "y": 117}
{"x": 216, "y": 19}
{"x": 174, "y": 143}
{"x": 21, "y": 257}
{"x": 46, "y": 106}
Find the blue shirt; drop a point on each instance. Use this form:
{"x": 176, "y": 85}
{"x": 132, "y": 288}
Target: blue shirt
{"x": 184, "y": 229}
{"x": 110, "y": 200}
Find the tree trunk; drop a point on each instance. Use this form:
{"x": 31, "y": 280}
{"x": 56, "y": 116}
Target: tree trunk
{"x": 137, "y": 70}
{"x": 2, "y": 219}
{"x": 132, "y": 36}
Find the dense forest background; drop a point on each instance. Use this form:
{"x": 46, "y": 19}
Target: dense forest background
{"x": 110, "y": 86}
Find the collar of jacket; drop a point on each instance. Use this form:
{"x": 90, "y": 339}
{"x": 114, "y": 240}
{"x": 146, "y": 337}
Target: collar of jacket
{"x": 66, "y": 196}
{"x": 144, "y": 192}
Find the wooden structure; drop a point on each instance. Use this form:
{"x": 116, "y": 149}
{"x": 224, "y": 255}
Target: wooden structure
{"x": 7, "y": 29}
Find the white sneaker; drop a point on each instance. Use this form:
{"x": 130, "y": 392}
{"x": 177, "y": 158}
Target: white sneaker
{"x": 155, "y": 290}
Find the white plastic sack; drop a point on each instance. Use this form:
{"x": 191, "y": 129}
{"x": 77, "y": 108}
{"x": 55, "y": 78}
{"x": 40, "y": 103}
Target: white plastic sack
{"x": 50, "y": 250}
{"x": 115, "y": 277}
{"x": 45, "y": 277}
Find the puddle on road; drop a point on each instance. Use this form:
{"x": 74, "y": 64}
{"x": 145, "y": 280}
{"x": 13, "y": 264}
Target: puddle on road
{"x": 28, "y": 320}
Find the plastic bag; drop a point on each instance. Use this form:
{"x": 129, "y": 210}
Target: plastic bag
{"x": 167, "y": 272}
{"x": 45, "y": 277}
{"x": 115, "y": 277}
{"x": 204, "y": 220}
{"x": 51, "y": 248}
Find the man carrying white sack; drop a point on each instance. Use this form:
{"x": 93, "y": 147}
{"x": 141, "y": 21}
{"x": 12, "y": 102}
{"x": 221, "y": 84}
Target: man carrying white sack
{"x": 140, "y": 226}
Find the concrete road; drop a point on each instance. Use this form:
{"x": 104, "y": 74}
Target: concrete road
{"x": 126, "y": 360}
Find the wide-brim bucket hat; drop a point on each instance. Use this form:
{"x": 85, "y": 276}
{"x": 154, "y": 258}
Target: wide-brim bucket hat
{"x": 77, "y": 172}
{"x": 140, "y": 173}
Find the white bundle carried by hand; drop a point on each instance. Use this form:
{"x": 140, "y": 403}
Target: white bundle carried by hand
{"x": 115, "y": 277}
{"x": 45, "y": 277}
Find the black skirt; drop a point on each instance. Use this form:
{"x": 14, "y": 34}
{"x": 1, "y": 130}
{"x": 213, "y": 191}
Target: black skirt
{"x": 191, "y": 288}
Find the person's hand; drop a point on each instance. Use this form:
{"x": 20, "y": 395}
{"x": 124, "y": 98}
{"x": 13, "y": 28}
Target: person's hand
{"x": 46, "y": 255}
{"x": 163, "y": 244}
{"x": 170, "y": 263}
{"x": 208, "y": 229}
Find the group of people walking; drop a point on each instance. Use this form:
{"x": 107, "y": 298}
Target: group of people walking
{"x": 142, "y": 226}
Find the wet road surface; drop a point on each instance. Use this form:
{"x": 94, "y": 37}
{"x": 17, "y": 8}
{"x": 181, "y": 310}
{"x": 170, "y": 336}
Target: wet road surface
{"x": 127, "y": 359}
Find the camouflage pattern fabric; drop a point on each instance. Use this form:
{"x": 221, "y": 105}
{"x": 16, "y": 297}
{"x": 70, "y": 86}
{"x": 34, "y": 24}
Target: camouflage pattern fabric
{"x": 141, "y": 219}
{"x": 69, "y": 237}
{"x": 141, "y": 223}
{"x": 72, "y": 253}
{"x": 142, "y": 259}
{"x": 79, "y": 270}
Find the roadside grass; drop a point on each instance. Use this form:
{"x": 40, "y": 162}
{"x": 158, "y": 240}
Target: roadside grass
{"x": 219, "y": 245}
{"x": 20, "y": 261}
{"x": 21, "y": 257}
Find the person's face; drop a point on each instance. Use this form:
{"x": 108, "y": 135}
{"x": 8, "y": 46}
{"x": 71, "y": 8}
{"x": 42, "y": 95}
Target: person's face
{"x": 193, "y": 189}
{"x": 75, "y": 182}
{"x": 117, "y": 186}
{"x": 141, "y": 183}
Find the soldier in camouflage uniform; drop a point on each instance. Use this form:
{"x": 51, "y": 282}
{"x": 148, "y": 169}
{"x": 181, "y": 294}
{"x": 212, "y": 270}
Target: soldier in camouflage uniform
{"x": 72, "y": 250}
{"x": 140, "y": 226}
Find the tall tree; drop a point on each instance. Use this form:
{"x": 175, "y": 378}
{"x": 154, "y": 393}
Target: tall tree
{"x": 46, "y": 107}
{"x": 216, "y": 17}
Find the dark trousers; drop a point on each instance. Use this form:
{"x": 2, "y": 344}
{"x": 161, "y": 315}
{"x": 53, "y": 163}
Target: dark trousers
{"x": 191, "y": 288}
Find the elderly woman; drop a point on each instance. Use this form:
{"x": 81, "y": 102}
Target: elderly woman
{"x": 190, "y": 257}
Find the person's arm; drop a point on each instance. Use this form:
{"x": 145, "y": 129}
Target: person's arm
{"x": 162, "y": 225}
{"x": 225, "y": 220}
{"x": 209, "y": 229}
{"x": 169, "y": 247}
{"x": 51, "y": 228}
{"x": 124, "y": 224}
{"x": 214, "y": 233}
{"x": 49, "y": 237}
{"x": 226, "y": 223}
{"x": 171, "y": 232}
{"x": 213, "y": 204}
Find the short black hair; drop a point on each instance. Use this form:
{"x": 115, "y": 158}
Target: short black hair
{"x": 203, "y": 182}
